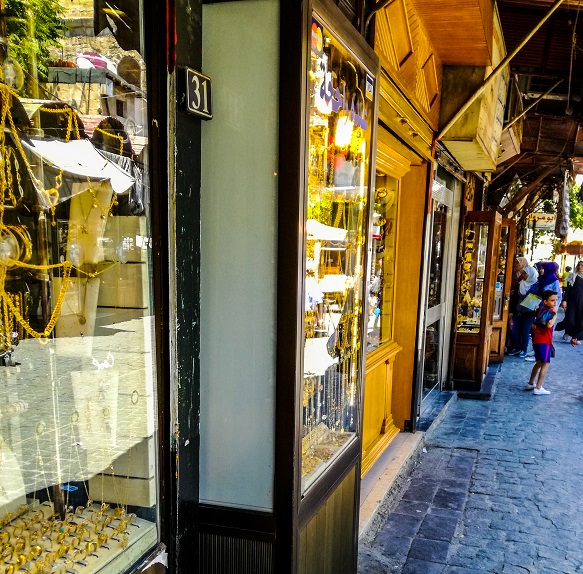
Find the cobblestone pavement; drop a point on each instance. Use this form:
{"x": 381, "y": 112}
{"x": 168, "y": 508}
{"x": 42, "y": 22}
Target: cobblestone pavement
{"x": 500, "y": 486}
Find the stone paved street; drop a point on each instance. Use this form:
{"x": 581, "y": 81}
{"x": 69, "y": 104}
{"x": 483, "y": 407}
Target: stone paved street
{"x": 500, "y": 486}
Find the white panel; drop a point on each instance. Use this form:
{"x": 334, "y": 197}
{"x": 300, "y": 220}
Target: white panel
{"x": 238, "y": 254}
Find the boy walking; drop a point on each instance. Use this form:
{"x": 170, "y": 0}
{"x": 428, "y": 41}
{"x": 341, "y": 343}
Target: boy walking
{"x": 542, "y": 342}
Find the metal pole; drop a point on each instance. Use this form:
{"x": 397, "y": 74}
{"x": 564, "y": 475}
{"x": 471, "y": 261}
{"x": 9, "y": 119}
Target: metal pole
{"x": 528, "y": 108}
{"x": 496, "y": 71}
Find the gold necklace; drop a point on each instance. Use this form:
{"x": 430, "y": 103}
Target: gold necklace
{"x": 114, "y": 136}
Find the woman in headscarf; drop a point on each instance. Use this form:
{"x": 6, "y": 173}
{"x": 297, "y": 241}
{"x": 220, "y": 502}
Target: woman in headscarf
{"x": 573, "y": 305}
{"x": 549, "y": 280}
{"x": 513, "y": 342}
{"x": 523, "y": 320}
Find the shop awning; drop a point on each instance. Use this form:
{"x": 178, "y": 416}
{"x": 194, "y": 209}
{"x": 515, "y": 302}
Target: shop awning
{"x": 79, "y": 162}
{"x": 321, "y": 232}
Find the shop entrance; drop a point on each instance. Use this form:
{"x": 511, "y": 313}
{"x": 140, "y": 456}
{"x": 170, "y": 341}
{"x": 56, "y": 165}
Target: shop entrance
{"x": 438, "y": 283}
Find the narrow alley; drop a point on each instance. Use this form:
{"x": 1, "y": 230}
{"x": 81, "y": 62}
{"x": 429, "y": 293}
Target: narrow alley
{"x": 498, "y": 486}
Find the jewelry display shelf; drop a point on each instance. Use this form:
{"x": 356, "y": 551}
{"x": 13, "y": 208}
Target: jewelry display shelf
{"x": 98, "y": 549}
{"x": 118, "y": 559}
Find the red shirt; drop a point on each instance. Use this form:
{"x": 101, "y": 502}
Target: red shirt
{"x": 543, "y": 335}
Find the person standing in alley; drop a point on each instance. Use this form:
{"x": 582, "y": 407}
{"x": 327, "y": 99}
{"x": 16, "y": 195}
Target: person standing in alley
{"x": 542, "y": 342}
{"x": 573, "y": 305}
{"x": 513, "y": 339}
{"x": 522, "y": 318}
{"x": 548, "y": 281}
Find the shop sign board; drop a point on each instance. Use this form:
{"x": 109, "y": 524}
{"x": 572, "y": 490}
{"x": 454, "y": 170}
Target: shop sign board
{"x": 198, "y": 94}
{"x": 543, "y": 220}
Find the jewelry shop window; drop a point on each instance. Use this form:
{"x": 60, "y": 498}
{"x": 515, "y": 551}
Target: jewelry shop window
{"x": 340, "y": 125}
{"x": 382, "y": 264}
{"x": 78, "y": 485}
{"x": 473, "y": 271}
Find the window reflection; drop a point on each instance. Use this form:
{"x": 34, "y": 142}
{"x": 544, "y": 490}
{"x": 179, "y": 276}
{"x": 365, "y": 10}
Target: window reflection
{"x": 436, "y": 265}
{"x": 382, "y": 270}
{"x": 77, "y": 392}
{"x": 501, "y": 273}
{"x": 432, "y": 358}
{"x": 341, "y": 113}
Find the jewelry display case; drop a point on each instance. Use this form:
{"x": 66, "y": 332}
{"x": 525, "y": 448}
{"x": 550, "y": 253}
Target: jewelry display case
{"x": 503, "y": 280}
{"x": 78, "y": 417}
{"x": 337, "y": 215}
{"x": 475, "y": 300}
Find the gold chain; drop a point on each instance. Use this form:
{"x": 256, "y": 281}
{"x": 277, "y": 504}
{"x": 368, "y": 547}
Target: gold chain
{"x": 71, "y": 119}
{"x": 116, "y": 136}
{"x": 56, "y": 311}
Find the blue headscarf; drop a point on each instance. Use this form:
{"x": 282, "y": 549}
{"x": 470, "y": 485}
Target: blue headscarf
{"x": 550, "y": 274}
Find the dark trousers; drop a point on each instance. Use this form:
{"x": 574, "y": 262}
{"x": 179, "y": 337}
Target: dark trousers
{"x": 521, "y": 326}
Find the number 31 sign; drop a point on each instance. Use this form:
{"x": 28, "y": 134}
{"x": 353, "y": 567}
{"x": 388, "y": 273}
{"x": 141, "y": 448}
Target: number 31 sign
{"x": 198, "y": 94}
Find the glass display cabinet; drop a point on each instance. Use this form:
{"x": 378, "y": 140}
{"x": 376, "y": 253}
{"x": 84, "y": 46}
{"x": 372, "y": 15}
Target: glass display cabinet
{"x": 502, "y": 290}
{"x": 337, "y": 213}
{"x": 476, "y": 296}
{"x": 78, "y": 387}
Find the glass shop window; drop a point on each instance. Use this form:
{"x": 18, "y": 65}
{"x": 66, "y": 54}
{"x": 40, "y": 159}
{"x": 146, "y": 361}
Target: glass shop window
{"x": 78, "y": 485}
{"x": 338, "y": 180}
{"x": 471, "y": 293}
{"x": 382, "y": 264}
